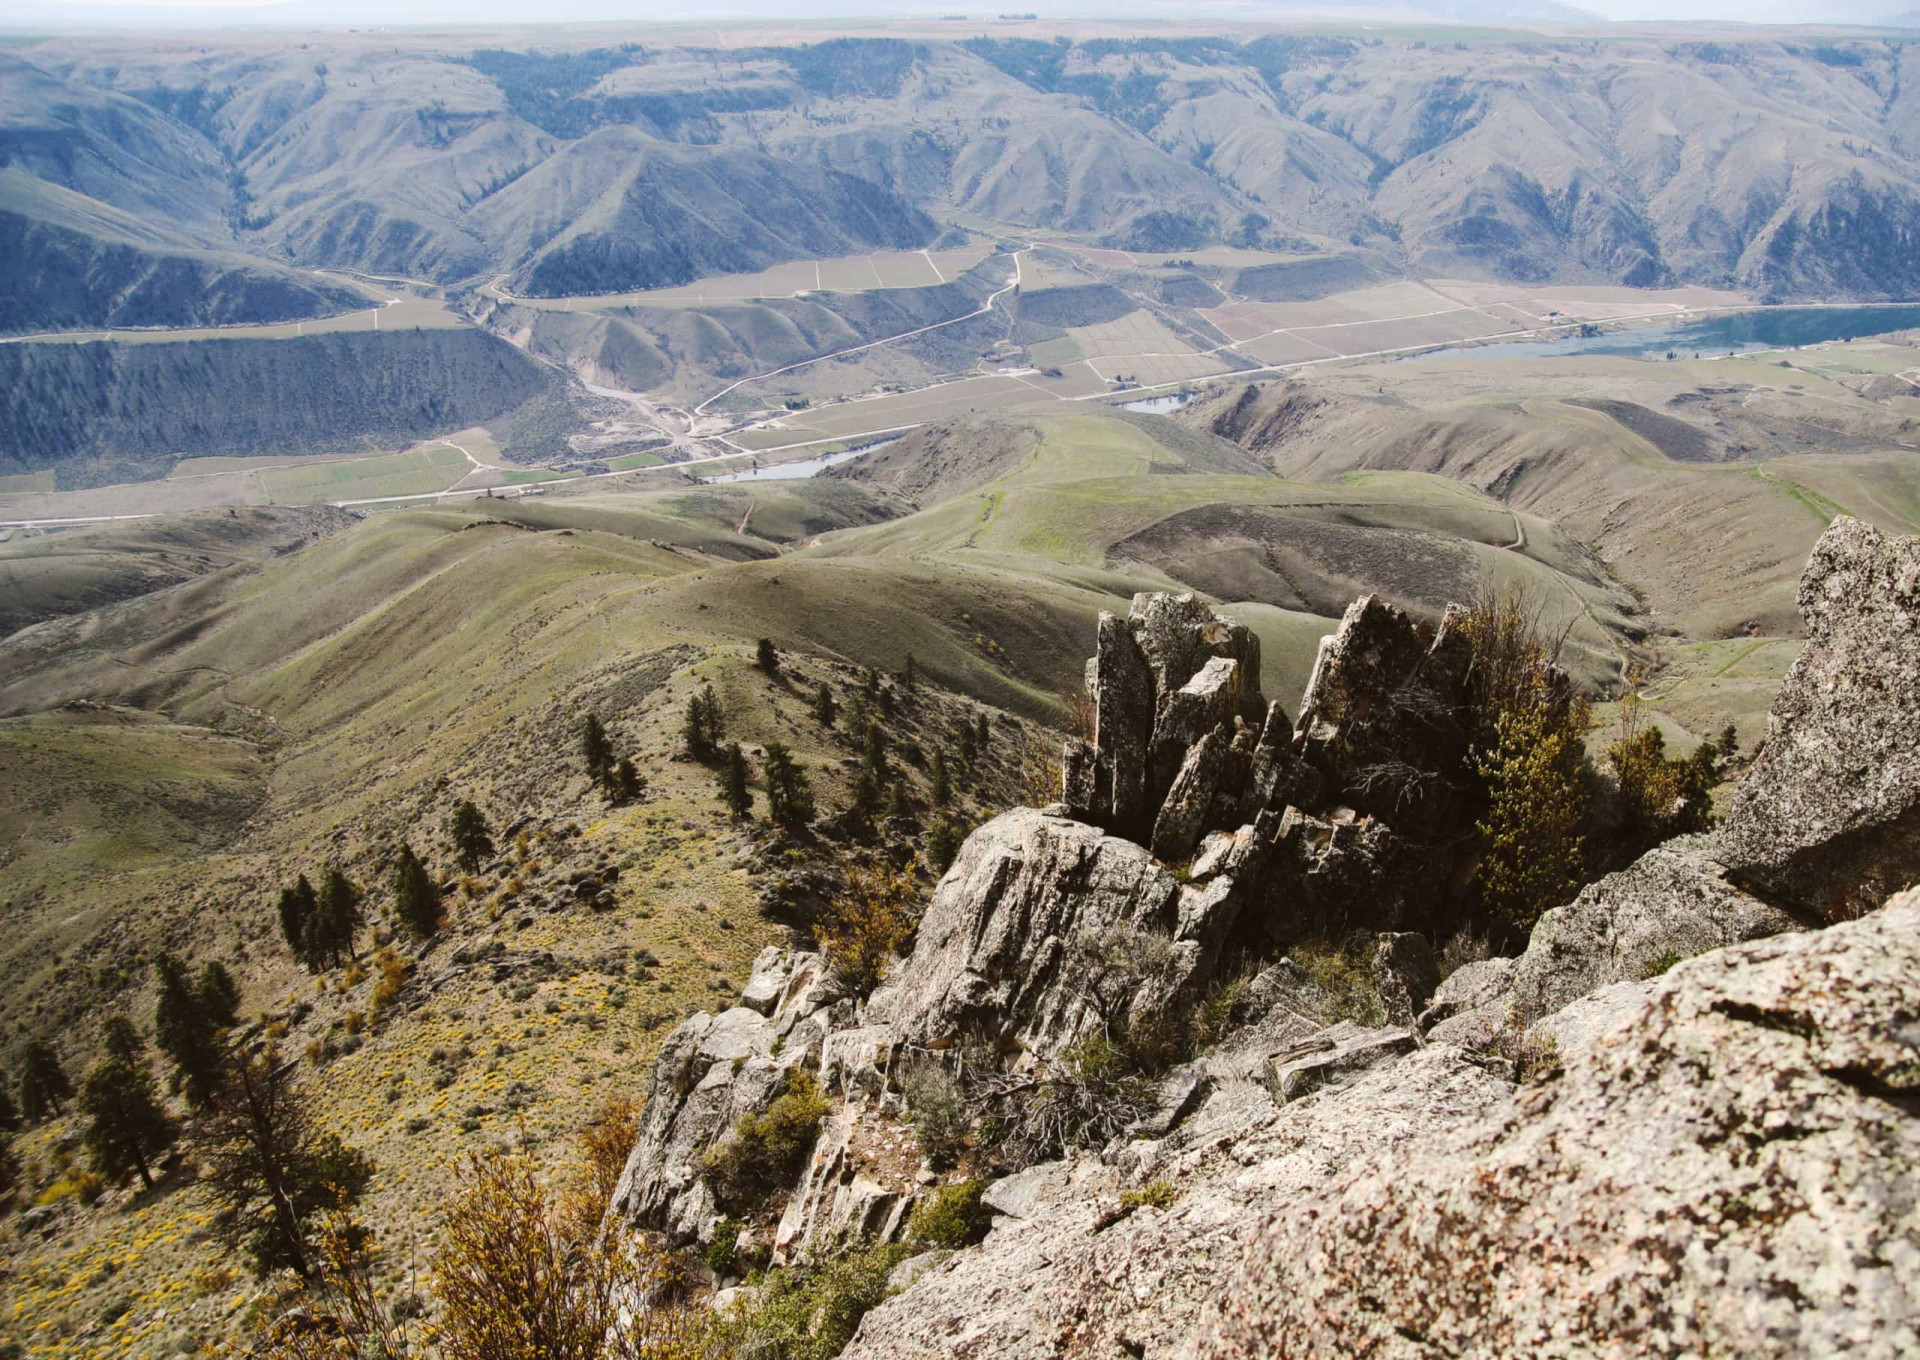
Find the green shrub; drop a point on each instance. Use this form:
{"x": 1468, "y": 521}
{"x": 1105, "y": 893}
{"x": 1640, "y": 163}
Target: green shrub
{"x": 1157, "y": 1194}
{"x": 1346, "y": 984}
{"x": 765, "y": 1150}
{"x": 938, "y": 1109}
{"x": 952, "y": 1216}
{"x": 811, "y": 1312}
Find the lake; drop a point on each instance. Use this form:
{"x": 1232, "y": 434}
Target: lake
{"x": 1172, "y": 401}
{"x": 784, "y": 472}
{"x": 1736, "y": 332}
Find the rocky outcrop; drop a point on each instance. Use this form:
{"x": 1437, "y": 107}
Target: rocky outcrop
{"x": 1719, "y": 1170}
{"x": 712, "y": 1071}
{"x": 1680, "y": 1121}
{"x": 1727, "y": 1172}
{"x": 1828, "y": 819}
{"x": 995, "y": 960}
{"x": 1164, "y": 679}
{"x": 1364, "y": 791}
{"x": 1825, "y": 822}
{"x": 1670, "y": 904}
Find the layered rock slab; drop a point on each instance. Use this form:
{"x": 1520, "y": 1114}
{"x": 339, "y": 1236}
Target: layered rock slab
{"x": 1727, "y": 1172}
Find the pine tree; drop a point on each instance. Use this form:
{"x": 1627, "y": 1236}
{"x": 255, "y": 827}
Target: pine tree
{"x": 472, "y": 838}
{"x": 967, "y": 741}
{"x": 766, "y": 657}
{"x": 733, "y": 783}
{"x": 628, "y": 782}
{"x": 874, "y": 759}
{"x": 942, "y": 781}
{"x": 859, "y": 719}
{"x": 44, "y": 1086}
{"x": 120, "y": 1039}
{"x": 298, "y": 906}
{"x": 908, "y": 678}
{"x": 416, "y": 897}
{"x": 330, "y": 933}
{"x": 789, "y": 792}
{"x": 866, "y": 796}
{"x": 900, "y": 800}
{"x": 9, "y": 1112}
{"x": 267, "y": 1168}
{"x": 597, "y": 750}
{"x": 219, "y": 994}
{"x": 983, "y": 734}
{"x": 126, "y": 1124}
{"x": 825, "y": 710}
{"x": 706, "y": 726}
{"x": 186, "y": 1033}
{"x": 943, "y": 844}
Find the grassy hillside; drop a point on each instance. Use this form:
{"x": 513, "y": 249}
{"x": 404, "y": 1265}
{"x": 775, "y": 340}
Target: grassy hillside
{"x": 48, "y": 574}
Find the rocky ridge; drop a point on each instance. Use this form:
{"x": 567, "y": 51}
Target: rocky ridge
{"x": 1722, "y": 1146}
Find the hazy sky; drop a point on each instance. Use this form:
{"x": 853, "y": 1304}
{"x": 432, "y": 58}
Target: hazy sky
{"x": 537, "y": 11}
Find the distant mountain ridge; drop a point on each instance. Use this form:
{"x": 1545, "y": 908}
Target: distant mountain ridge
{"x": 1785, "y": 165}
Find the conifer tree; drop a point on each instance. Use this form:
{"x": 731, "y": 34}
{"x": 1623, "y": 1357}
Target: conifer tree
{"x": 416, "y": 897}
{"x": 789, "y": 792}
{"x": 120, "y": 1039}
{"x": 766, "y": 657}
{"x": 126, "y": 1124}
{"x": 943, "y": 844}
{"x": 733, "y": 783}
{"x": 472, "y": 838}
{"x": 942, "y": 781}
{"x": 983, "y": 734}
{"x": 825, "y": 710}
{"x": 909, "y": 679}
{"x": 219, "y": 994}
{"x": 44, "y": 1085}
{"x": 186, "y": 1033}
{"x": 967, "y": 741}
{"x": 628, "y": 782}
{"x": 9, "y": 1112}
{"x": 900, "y": 800}
{"x": 874, "y": 759}
{"x": 336, "y": 920}
{"x": 870, "y": 683}
{"x": 866, "y": 795}
{"x": 267, "y": 1168}
{"x": 859, "y": 719}
{"x": 706, "y": 726}
{"x": 298, "y": 906}
{"x": 597, "y": 751}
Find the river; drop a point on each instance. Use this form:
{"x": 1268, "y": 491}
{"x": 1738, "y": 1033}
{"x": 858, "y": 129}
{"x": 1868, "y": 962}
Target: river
{"x": 1724, "y": 333}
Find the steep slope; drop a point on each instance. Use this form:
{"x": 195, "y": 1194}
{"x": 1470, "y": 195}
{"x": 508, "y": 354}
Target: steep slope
{"x": 106, "y": 411}
{"x": 69, "y": 262}
{"x": 618, "y": 211}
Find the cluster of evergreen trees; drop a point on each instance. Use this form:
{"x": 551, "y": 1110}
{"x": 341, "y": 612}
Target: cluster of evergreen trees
{"x": 882, "y": 790}
{"x": 321, "y": 927}
{"x": 264, "y": 1162}
{"x": 617, "y": 776}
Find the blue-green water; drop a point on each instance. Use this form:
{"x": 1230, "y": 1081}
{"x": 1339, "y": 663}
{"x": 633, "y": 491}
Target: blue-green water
{"x": 1730, "y": 332}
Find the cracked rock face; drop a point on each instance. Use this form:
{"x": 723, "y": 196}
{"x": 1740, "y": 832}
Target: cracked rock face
{"x": 712, "y": 1070}
{"x": 1671, "y": 903}
{"x": 1729, "y": 1171}
{"x": 1828, "y": 818}
{"x": 991, "y": 962}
